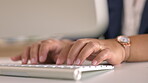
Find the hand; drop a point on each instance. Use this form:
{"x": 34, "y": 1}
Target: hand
{"x": 92, "y": 49}
{"x": 45, "y": 51}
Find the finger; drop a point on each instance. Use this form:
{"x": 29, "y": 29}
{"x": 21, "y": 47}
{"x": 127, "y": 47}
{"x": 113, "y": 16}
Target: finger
{"x": 25, "y": 55}
{"x": 88, "y": 50}
{"x": 16, "y": 58}
{"x": 34, "y": 53}
{"x": 75, "y": 50}
{"x": 45, "y": 48}
{"x": 63, "y": 54}
{"x": 103, "y": 55}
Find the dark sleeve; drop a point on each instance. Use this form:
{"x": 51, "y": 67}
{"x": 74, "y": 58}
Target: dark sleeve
{"x": 115, "y": 18}
{"x": 144, "y": 21}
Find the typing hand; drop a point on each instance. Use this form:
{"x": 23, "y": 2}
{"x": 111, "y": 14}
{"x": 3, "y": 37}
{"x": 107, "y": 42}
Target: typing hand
{"x": 92, "y": 49}
{"x": 45, "y": 51}
{"x": 61, "y": 51}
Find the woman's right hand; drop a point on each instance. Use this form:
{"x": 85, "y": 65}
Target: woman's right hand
{"x": 44, "y": 52}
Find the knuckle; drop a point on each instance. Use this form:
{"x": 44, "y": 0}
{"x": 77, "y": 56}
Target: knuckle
{"x": 94, "y": 46}
{"x": 36, "y": 44}
{"x": 92, "y": 43}
{"x": 81, "y": 41}
{"x": 43, "y": 41}
{"x": 48, "y": 41}
{"x": 44, "y": 44}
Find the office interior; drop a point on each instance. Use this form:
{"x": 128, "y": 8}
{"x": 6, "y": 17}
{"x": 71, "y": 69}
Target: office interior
{"x": 24, "y": 22}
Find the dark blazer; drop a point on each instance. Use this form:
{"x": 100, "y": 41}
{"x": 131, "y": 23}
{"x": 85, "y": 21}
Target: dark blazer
{"x": 115, "y": 19}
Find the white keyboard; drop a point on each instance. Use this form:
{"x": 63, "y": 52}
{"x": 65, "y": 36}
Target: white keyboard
{"x": 50, "y": 71}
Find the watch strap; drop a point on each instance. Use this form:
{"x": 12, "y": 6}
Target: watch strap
{"x": 126, "y": 46}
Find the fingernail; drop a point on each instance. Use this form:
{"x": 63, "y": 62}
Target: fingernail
{"x": 33, "y": 60}
{"x": 41, "y": 59}
{"x": 58, "y": 61}
{"x": 77, "y": 62}
{"x": 95, "y": 62}
{"x": 69, "y": 62}
{"x": 23, "y": 61}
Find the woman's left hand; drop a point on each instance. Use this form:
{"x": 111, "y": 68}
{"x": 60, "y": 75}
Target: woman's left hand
{"x": 95, "y": 50}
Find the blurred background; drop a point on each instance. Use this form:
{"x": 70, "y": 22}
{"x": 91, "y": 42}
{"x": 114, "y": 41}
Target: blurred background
{"x": 23, "y": 22}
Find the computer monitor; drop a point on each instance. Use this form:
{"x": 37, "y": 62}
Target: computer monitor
{"x": 69, "y": 18}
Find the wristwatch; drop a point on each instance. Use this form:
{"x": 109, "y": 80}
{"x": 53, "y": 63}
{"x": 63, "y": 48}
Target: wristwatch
{"x": 126, "y": 43}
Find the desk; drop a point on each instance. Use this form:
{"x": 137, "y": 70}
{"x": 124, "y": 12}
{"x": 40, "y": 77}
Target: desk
{"x": 124, "y": 73}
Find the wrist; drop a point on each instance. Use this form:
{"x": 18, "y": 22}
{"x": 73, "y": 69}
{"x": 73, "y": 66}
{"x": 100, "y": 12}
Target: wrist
{"x": 125, "y": 42}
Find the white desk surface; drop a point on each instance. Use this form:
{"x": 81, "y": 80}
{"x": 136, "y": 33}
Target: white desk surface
{"x": 124, "y": 73}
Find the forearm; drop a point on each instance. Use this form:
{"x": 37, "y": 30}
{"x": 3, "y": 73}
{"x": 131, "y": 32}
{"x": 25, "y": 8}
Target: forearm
{"x": 139, "y": 48}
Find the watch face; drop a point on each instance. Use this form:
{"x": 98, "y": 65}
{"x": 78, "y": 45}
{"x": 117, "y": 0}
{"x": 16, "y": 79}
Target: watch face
{"x": 123, "y": 39}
